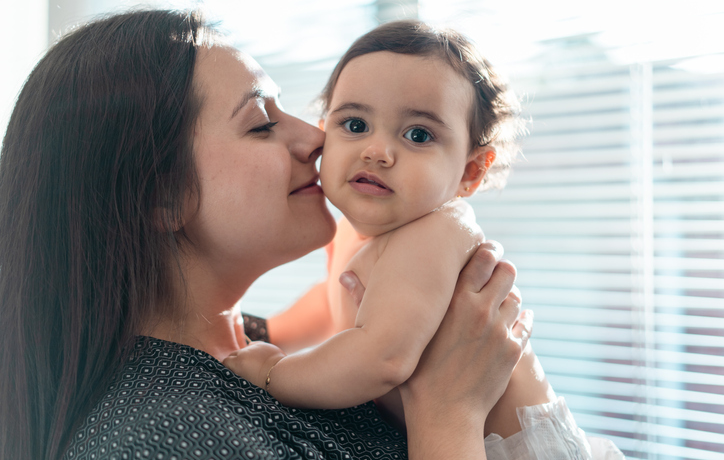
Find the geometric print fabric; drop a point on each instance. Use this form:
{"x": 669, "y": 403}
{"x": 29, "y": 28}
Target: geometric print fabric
{"x": 174, "y": 402}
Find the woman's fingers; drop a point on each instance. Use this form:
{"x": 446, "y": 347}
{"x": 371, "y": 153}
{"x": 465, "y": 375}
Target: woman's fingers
{"x": 510, "y": 304}
{"x": 352, "y": 284}
{"x": 479, "y": 269}
{"x": 499, "y": 291}
{"x": 523, "y": 327}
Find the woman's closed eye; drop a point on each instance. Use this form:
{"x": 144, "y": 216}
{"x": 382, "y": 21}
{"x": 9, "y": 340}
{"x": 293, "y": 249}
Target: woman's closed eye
{"x": 265, "y": 128}
{"x": 418, "y": 135}
{"x": 355, "y": 125}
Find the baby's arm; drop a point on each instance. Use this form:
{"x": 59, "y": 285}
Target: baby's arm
{"x": 407, "y": 295}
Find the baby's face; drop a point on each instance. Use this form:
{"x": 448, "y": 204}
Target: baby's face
{"x": 397, "y": 139}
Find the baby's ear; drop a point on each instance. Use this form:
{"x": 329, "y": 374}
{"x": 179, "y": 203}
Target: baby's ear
{"x": 321, "y": 124}
{"x": 476, "y": 168}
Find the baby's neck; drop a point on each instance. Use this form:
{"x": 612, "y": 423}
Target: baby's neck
{"x": 367, "y": 231}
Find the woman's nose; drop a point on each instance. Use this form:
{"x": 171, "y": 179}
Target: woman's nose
{"x": 380, "y": 153}
{"x": 307, "y": 141}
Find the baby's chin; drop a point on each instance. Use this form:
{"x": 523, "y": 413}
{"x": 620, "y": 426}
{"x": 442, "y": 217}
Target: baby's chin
{"x": 370, "y": 228}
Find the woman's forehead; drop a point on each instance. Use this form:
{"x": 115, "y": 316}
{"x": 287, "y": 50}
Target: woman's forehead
{"x": 226, "y": 75}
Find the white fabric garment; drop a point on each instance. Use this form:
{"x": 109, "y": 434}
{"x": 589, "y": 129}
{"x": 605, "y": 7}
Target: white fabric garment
{"x": 549, "y": 432}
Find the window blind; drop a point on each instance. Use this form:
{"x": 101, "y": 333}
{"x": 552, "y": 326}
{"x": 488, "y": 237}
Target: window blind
{"x": 615, "y": 220}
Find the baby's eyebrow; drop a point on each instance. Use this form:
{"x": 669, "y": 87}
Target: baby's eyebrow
{"x": 353, "y": 106}
{"x": 425, "y": 114}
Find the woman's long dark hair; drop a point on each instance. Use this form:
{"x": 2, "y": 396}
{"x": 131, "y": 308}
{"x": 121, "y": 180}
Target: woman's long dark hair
{"x": 94, "y": 169}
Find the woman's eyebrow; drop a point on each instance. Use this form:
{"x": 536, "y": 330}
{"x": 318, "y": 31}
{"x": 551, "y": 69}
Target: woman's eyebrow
{"x": 353, "y": 106}
{"x": 245, "y": 99}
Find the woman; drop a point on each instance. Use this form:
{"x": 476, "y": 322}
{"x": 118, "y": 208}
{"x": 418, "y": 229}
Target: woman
{"x": 148, "y": 176}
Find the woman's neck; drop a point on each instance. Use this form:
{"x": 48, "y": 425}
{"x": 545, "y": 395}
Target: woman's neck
{"x": 204, "y": 315}
{"x": 217, "y": 334}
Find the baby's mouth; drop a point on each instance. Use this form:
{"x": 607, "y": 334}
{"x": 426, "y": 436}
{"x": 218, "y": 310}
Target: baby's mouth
{"x": 363, "y": 180}
{"x": 364, "y": 177}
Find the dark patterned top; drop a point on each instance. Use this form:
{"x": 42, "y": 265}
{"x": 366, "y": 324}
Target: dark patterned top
{"x": 174, "y": 402}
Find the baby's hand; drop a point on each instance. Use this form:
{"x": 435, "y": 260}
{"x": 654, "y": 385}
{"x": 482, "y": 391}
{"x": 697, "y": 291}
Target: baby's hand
{"x": 254, "y": 361}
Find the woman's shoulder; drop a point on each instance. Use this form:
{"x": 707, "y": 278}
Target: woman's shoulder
{"x": 173, "y": 401}
{"x": 165, "y": 400}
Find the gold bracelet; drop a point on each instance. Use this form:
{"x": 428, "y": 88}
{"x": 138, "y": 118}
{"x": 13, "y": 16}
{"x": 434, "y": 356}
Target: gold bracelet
{"x": 268, "y": 376}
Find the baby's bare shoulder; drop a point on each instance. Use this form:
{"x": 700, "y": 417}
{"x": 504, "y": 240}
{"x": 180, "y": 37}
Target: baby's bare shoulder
{"x": 455, "y": 216}
{"x": 451, "y": 225}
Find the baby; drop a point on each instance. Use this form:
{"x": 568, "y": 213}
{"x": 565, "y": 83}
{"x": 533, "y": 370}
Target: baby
{"x": 415, "y": 119}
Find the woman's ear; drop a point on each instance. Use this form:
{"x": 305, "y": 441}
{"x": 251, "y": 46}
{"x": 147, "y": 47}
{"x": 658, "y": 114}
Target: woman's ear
{"x": 476, "y": 168}
{"x": 164, "y": 221}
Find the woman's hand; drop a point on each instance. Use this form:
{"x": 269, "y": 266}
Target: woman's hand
{"x": 466, "y": 367}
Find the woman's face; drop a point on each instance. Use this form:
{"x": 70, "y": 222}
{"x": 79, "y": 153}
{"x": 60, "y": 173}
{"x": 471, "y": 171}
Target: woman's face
{"x": 260, "y": 205}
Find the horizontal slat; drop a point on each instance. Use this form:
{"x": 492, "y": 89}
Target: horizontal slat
{"x": 682, "y": 301}
{"x": 601, "y": 352}
{"x": 680, "y": 115}
{"x": 570, "y": 385}
{"x": 576, "y": 141}
{"x": 693, "y": 93}
{"x": 584, "y": 104}
{"x": 565, "y": 316}
{"x": 563, "y": 125}
{"x": 576, "y": 280}
{"x": 712, "y": 150}
{"x": 616, "y": 191}
{"x": 600, "y": 228}
{"x": 662, "y": 120}
{"x": 584, "y": 157}
{"x": 564, "y": 366}
{"x": 692, "y": 321}
{"x": 592, "y": 334}
{"x": 667, "y": 76}
{"x": 561, "y": 210}
{"x": 543, "y": 297}
{"x": 540, "y": 173}
{"x": 569, "y": 86}
{"x": 616, "y": 135}
{"x": 522, "y": 227}
{"x": 593, "y": 405}
{"x": 557, "y": 79}
{"x": 602, "y": 245}
{"x": 689, "y": 133}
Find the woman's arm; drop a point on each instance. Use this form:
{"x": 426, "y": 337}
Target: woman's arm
{"x": 468, "y": 363}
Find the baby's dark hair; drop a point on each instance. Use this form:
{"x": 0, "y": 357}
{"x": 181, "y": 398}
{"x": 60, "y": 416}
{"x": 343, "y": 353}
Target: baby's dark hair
{"x": 495, "y": 113}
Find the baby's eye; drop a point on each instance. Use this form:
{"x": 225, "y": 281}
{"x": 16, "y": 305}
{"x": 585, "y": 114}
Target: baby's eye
{"x": 355, "y": 125}
{"x": 417, "y": 135}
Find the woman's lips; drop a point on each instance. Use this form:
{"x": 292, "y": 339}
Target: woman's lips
{"x": 310, "y": 189}
{"x": 369, "y": 184}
